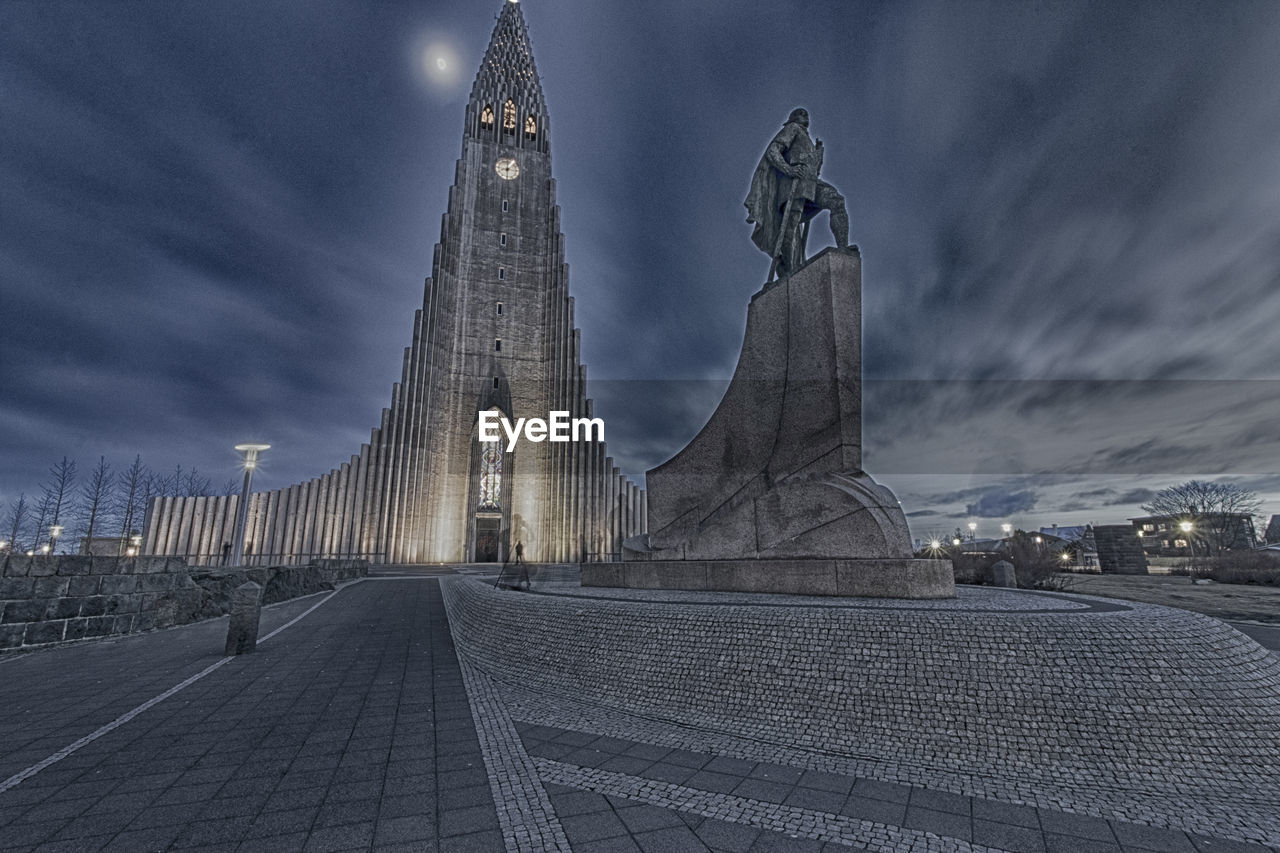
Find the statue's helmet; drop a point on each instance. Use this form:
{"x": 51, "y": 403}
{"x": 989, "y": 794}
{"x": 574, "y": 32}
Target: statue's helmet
{"x": 799, "y": 114}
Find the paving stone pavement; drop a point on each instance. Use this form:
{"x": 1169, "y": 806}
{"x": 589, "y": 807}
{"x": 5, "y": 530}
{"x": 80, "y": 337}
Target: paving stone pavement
{"x": 359, "y": 728}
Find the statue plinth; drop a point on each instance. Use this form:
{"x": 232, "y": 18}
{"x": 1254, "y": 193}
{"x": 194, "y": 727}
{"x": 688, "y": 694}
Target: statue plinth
{"x": 770, "y": 496}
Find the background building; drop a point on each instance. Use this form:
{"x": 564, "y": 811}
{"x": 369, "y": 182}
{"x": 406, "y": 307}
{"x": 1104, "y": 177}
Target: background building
{"x": 1209, "y": 533}
{"x": 496, "y": 332}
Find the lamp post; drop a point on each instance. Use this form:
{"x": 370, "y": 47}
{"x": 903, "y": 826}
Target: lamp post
{"x": 54, "y": 532}
{"x": 1187, "y": 528}
{"x": 250, "y": 452}
{"x": 973, "y": 530}
{"x": 135, "y": 545}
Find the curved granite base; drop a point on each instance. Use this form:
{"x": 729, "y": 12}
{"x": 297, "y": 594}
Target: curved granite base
{"x": 883, "y": 578}
{"x": 1133, "y": 711}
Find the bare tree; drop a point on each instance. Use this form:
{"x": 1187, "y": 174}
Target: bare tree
{"x": 43, "y": 508}
{"x": 185, "y": 483}
{"x": 230, "y": 487}
{"x": 97, "y": 498}
{"x": 195, "y": 483}
{"x": 131, "y": 500}
{"x": 58, "y": 494}
{"x": 15, "y": 522}
{"x": 1220, "y": 515}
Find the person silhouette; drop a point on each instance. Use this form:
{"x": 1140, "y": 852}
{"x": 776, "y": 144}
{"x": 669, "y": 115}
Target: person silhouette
{"x": 524, "y": 567}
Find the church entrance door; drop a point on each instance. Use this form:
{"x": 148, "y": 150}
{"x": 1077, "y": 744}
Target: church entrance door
{"x": 487, "y": 529}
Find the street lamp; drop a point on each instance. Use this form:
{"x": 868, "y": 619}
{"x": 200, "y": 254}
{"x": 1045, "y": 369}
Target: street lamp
{"x": 973, "y": 530}
{"x": 1006, "y": 529}
{"x": 135, "y": 545}
{"x": 250, "y": 452}
{"x": 54, "y": 532}
{"x": 1187, "y": 527}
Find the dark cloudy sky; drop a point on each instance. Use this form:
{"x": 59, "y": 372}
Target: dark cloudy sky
{"x": 216, "y": 218}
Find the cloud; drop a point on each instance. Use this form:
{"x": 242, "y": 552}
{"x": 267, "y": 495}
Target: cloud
{"x": 1002, "y": 504}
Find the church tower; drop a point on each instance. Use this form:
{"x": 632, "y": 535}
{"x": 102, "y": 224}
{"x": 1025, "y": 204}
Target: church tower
{"x": 495, "y": 333}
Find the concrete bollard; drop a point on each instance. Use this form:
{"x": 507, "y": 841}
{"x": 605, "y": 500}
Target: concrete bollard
{"x": 1002, "y": 574}
{"x": 246, "y": 607}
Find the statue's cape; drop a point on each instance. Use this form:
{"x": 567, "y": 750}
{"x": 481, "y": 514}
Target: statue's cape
{"x": 765, "y": 202}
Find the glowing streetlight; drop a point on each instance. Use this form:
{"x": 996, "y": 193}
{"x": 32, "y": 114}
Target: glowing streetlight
{"x": 1187, "y": 527}
{"x": 3, "y": 544}
{"x": 955, "y": 541}
{"x": 973, "y": 529}
{"x": 1006, "y": 529}
{"x": 250, "y": 452}
{"x": 54, "y": 532}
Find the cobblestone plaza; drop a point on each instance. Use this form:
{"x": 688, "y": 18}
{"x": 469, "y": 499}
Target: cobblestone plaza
{"x": 420, "y": 710}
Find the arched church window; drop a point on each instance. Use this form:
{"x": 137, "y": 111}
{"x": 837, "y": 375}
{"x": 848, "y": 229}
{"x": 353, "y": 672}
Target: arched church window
{"x": 530, "y": 128}
{"x": 486, "y": 118}
{"x": 509, "y": 116}
{"x": 491, "y": 477}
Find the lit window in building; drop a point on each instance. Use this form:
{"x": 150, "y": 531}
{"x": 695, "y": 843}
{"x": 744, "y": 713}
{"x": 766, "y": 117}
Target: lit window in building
{"x": 530, "y": 128}
{"x": 486, "y": 118}
{"x": 509, "y": 116}
{"x": 491, "y": 476}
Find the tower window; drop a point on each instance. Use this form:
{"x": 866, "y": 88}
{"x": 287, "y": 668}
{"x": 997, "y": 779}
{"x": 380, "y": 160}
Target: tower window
{"x": 502, "y": 239}
{"x": 497, "y": 345}
{"x": 486, "y": 118}
{"x": 502, "y": 274}
{"x": 504, "y": 205}
{"x": 491, "y": 477}
{"x": 530, "y": 128}
{"x": 509, "y": 116}
{"x": 495, "y": 383}
{"x": 499, "y": 309}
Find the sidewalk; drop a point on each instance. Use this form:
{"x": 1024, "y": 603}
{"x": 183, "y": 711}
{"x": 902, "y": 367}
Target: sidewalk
{"x": 348, "y": 730}
{"x": 355, "y": 729}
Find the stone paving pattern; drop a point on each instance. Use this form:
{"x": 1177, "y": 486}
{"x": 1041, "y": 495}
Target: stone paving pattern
{"x": 1133, "y": 712}
{"x": 360, "y": 727}
{"x": 350, "y": 731}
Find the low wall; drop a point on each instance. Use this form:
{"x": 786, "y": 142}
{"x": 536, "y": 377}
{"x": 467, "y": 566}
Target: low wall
{"x": 52, "y": 599}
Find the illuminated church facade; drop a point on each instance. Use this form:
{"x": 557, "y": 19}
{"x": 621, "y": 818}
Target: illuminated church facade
{"x": 495, "y": 333}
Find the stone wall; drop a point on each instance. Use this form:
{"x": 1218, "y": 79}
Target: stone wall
{"x": 47, "y": 600}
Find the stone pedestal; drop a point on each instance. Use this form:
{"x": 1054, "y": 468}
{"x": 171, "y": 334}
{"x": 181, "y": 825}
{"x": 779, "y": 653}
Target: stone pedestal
{"x": 246, "y": 610}
{"x": 771, "y": 496}
{"x": 1002, "y": 574}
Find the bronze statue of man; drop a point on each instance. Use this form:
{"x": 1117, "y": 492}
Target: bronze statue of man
{"x": 786, "y": 193}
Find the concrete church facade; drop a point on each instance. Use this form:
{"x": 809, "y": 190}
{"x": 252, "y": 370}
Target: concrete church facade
{"x": 495, "y": 333}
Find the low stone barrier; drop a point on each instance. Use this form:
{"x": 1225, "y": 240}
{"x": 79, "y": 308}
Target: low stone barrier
{"x": 52, "y": 599}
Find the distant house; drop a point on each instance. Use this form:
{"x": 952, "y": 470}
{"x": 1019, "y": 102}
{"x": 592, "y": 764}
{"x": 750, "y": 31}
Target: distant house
{"x": 1163, "y": 536}
{"x": 1272, "y": 536}
{"x": 110, "y": 546}
{"x": 1079, "y": 541}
